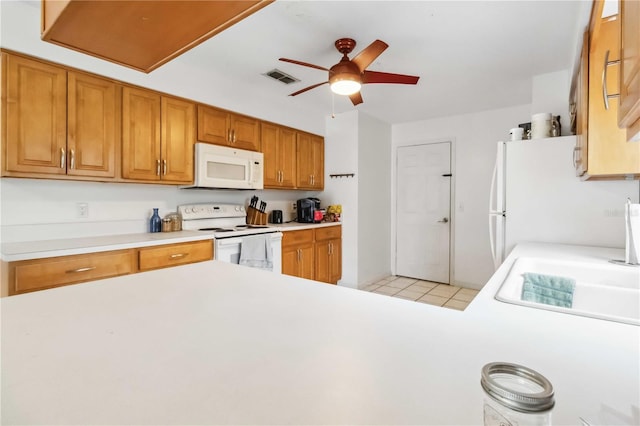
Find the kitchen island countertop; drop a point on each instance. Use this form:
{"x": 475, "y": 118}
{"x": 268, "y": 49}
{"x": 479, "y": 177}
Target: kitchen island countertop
{"x": 216, "y": 343}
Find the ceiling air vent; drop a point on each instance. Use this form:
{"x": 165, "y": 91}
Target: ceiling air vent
{"x": 283, "y": 77}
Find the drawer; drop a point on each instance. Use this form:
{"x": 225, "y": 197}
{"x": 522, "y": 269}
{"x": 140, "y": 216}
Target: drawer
{"x": 174, "y": 254}
{"x": 38, "y": 274}
{"x": 328, "y": 233}
{"x": 294, "y": 238}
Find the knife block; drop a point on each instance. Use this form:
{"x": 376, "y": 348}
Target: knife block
{"x": 256, "y": 217}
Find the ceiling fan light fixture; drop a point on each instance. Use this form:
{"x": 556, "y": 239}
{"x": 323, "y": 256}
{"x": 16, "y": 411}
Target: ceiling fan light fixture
{"x": 345, "y": 87}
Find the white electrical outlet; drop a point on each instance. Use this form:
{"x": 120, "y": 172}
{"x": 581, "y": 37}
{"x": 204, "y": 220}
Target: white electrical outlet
{"x": 82, "y": 210}
{"x": 294, "y": 207}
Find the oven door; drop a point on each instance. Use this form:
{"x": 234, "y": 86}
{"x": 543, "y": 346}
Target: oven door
{"x": 228, "y": 249}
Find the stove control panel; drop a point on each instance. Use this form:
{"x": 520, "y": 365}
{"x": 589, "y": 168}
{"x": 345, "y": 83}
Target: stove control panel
{"x": 210, "y": 211}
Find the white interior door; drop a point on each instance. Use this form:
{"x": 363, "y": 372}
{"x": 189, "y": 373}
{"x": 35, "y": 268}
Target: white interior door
{"x": 423, "y": 211}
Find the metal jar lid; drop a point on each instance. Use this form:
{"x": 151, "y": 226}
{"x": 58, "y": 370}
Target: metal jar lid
{"x": 517, "y": 387}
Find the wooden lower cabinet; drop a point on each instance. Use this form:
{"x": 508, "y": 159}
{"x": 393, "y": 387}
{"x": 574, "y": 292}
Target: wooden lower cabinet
{"x": 39, "y": 274}
{"x": 298, "y": 254}
{"x": 174, "y": 254}
{"x": 313, "y": 254}
{"x": 328, "y": 254}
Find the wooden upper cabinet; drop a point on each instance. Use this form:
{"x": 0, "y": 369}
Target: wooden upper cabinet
{"x": 139, "y": 34}
{"x": 34, "y": 121}
{"x": 157, "y": 137}
{"x": 608, "y": 155}
{"x": 93, "y": 109}
{"x": 629, "y": 112}
{"x": 221, "y": 127}
{"x": 310, "y": 157}
{"x": 279, "y": 149}
{"x": 178, "y": 136}
{"x": 140, "y": 134}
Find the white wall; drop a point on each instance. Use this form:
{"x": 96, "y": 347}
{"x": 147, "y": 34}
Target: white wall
{"x": 39, "y": 209}
{"x": 474, "y": 138}
{"x": 341, "y": 156}
{"x": 550, "y": 93}
{"x": 360, "y": 144}
{"x": 374, "y": 200}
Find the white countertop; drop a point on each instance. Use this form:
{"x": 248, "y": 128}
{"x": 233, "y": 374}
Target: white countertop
{"x": 68, "y": 246}
{"x": 215, "y": 343}
{"x": 28, "y": 250}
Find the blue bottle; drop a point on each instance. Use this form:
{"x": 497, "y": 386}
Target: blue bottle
{"x": 155, "y": 223}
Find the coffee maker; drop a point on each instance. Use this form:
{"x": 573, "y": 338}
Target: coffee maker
{"x": 306, "y": 208}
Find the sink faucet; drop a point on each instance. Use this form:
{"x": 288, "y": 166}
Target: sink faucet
{"x": 632, "y": 236}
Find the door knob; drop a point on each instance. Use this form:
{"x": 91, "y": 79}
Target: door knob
{"x": 443, "y": 220}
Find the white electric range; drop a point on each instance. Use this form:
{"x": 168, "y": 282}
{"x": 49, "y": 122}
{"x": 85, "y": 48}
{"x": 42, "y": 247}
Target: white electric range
{"x": 227, "y": 223}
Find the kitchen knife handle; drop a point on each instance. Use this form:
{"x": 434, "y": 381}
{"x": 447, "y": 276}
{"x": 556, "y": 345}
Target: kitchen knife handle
{"x": 62, "y": 158}
{"x": 158, "y": 167}
{"x": 164, "y": 167}
{"x": 72, "y": 159}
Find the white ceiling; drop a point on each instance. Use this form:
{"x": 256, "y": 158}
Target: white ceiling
{"x": 470, "y": 56}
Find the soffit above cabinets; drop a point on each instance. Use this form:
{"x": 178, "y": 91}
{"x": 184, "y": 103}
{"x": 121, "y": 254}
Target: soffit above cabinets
{"x": 141, "y": 35}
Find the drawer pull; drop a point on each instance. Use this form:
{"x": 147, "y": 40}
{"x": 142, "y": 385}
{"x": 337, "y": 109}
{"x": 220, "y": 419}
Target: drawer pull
{"x": 88, "y": 268}
{"x": 178, "y": 255}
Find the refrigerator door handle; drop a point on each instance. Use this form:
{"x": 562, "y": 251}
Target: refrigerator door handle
{"x": 492, "y": 196}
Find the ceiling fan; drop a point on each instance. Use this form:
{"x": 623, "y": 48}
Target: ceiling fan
{"x": 347, "y": 76}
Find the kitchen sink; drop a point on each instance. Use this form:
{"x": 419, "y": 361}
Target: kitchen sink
{"x": 602, "y": 290}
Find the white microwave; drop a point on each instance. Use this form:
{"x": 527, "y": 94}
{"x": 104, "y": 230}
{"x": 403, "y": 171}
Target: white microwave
{"x": 227, "y": 168}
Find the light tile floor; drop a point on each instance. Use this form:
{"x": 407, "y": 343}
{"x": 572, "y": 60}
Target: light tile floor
{"x": 449, "y": 296}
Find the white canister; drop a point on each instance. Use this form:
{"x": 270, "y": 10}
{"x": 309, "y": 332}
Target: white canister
{"x": 516, "y": 133}
{"x": 541, "y": 125}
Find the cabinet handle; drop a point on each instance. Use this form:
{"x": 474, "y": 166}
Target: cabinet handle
{"x": 330, "y": 249}
{"x": 229, "y": 135}
{"x": 299, "y": 255}
{"x": 281, "y": 175}
{"x": 605, "y": 95}
{"x": 72, "y": 159}
{"x": 88, "y": 268}
{"x": 234, "y": 135}
{"x": 158, "y": 167}
{"x": 164, "y": 167}
{"x": 178, "y": 255}
{"x": 62, "y": 158}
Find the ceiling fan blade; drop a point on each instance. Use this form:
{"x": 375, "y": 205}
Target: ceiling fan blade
{"x": 308, "y": 88}
{"x": 369, "y": 54}
{"x": 356, "y": 98}
{"x": 385, "y": 77}
{"x": 304, "y": 64}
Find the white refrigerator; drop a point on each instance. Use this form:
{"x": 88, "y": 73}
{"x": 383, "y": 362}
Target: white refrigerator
{"x": 535, "y": 196}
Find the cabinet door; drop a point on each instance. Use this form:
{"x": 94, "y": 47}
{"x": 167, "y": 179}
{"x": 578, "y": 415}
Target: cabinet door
{"x": 92, "y": 132}
{"x": 317, "y": 161}
{"x": 140, "y": 134}
{"x": 305, "y": 161}
{"x": 34, "y": 117}
{"x": 213, "y": 125}
{"x": 307, "y": 262}
{"x": 178, "y": 137}
{"x": 328, "y": 261}
{"x": 580, "y": 152}
{"x": 609, "y": 153}
{"x": 287, "y": 156}
{"x": 629, "y": 113}
{"x": 270, "y": 142}
{"x": 290, "y": 261}
{"x": 245, "y": 132}
{"x": 310, "y": 155}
